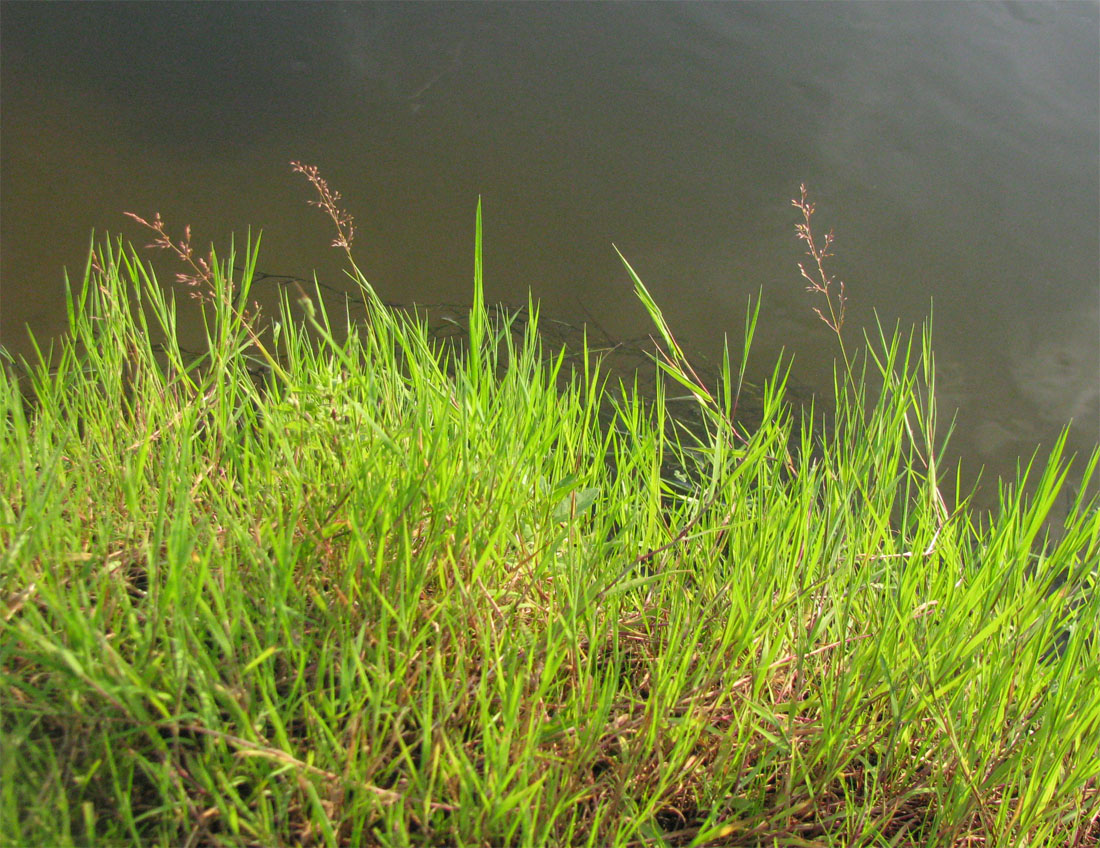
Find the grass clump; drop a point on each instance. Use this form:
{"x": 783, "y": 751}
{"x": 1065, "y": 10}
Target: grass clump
{"x": 394, "y": 593}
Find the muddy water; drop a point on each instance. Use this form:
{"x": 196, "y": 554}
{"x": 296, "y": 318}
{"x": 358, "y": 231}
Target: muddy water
{"x": 952, "y": 146}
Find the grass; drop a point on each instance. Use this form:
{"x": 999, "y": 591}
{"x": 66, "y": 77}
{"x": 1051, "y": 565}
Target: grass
{"x": 398, "y": 593}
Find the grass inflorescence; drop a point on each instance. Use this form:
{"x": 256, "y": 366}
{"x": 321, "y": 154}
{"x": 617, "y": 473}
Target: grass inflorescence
{"x": 395, "y": 592}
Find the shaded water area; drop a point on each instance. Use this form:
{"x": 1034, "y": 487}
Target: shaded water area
{"x": 952, "y": 146}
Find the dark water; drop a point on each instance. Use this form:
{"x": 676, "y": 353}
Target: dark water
{"x": 952, "y": 146}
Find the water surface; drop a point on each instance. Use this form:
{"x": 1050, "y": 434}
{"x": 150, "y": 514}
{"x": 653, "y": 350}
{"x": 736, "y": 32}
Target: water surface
{"x": 952, "y": 146}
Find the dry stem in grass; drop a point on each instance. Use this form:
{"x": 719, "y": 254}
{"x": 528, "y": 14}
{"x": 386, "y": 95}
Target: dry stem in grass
{"x": 820, "y": 282}
{"x": 329, "y": 202}
{"x": 202, "y": 281}
{"x": 201, "y": 277}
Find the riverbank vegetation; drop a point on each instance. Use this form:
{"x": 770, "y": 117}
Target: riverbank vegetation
{"x": 347, "y": 585}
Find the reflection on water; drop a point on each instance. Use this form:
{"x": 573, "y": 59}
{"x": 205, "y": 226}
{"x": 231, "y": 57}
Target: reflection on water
{"x": 1057, "y": 373}
{"x": 953, "y": 146}
{"x": 1050, "y": 379}
{"x": 379, "y": 57}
